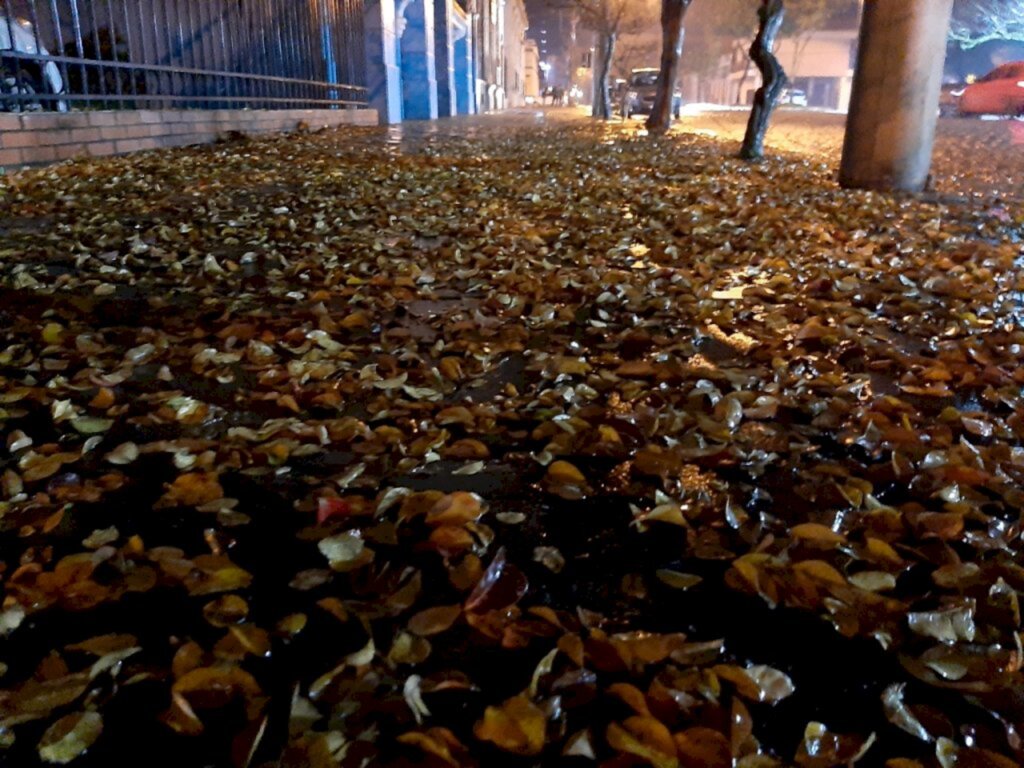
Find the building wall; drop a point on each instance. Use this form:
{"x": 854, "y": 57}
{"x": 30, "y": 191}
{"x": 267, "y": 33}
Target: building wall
{"x": 514, "y": 62}
{"x": 821, "y": 64}
{"x": 531, "y": 71}
{"x": 822, "y": 54}
{"x": 39, "y": 138}
{"x": 488, "y": 59}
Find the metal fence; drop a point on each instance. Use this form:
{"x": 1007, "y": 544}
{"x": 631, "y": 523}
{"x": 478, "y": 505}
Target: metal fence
{"x": 58, "y": 55}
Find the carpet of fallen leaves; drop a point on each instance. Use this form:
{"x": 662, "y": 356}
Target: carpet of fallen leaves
{"x": 558, "y": 445}
{"x": 973, "y": 157}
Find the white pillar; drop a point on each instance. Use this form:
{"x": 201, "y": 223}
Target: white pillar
{"x": 890, "y": 131}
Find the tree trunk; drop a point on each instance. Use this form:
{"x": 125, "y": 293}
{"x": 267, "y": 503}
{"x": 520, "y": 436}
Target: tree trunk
{"x": 672, "y": 14}
{"x": 773, "y": 77}
{"x": 891, "y": 126}
{"x": 603, "y": 66}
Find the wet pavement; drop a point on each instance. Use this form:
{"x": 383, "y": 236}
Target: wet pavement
{"x": 972, "y": 156}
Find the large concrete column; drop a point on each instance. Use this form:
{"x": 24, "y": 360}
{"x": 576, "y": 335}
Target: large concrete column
{"x": 444, "y": 60}
{"x": 419, "y": 73}
{"x": 383, "y": 78}
{"x": 890, "y": 131}
{"x": 465, "y": 101}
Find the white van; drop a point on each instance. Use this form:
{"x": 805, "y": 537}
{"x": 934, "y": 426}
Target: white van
{"x": 25, "y": 78}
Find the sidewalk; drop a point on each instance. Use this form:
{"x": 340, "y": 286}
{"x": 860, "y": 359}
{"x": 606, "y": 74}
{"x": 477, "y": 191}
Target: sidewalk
{"x": 972, "y": 157}
{"x": 495, "y": 440}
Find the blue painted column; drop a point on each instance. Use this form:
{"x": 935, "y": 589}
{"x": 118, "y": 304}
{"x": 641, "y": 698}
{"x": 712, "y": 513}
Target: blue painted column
{"x": 444, "y": 61}
{"x": 383, "y": 77}
{"x": 464, "y": 81}
{"x": 464, "y": 75}
{"x": 419, "y": 73}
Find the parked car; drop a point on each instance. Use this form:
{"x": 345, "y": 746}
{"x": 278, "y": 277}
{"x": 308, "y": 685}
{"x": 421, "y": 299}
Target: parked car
{"x": 794, "y": 96}
{"x": 640, "y": 92}
{"x": 1000, "y": 92}
{"x": 617, "y": 91}
{"x": 26, "y": 78}
{"x": 949, "y": 99}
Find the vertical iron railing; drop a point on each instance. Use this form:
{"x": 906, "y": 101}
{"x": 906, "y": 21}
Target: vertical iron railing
{"x": 132, "y": 54}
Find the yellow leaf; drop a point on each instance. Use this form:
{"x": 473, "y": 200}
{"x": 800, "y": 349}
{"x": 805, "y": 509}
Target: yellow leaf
{"x": 819, "y": 570}
{"x": 517, "y": 726}
{"x": 703, "y": 748}
{"x": 53, "y": 333}
{"x": 213, "y": 686}
{"x": 456, "y": 509}
{"x": 817, "y": 534}
{"x": 623, "y": 740}
{"x": 70, "y": 737}
{"x": 434, "y": 621}
{"x": 192, "y": 490}
{"x": 632, "y": 696}
{"x": 439, "y": 742}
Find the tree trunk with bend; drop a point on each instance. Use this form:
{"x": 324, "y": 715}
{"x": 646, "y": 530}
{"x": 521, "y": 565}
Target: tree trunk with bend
{"x": 773, "y": 77}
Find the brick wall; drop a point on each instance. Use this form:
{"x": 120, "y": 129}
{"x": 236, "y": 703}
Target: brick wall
{"x": 40, "y": 138}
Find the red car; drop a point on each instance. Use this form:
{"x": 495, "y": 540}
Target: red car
{"x": 1000, "y": 92}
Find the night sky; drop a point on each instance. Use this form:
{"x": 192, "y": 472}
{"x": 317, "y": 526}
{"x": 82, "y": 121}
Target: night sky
{"x": 550, "y": 28}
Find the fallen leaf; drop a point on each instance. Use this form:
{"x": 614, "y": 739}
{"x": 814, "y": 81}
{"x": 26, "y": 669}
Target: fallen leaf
{"x": 517, "y": 726}
{"x": 70, "y": 737}
{"x": 434, "y": 621}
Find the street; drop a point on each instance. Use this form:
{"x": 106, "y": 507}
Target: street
{"x": 512, "y": 441}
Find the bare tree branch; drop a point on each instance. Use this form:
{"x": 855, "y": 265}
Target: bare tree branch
{"x": 981, "y": 21}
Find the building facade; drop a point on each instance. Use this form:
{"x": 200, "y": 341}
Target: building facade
{"x": 531, "y": 72}
{"x": 408, "y": 59}
{"x": 514, "y": 53}
{"x": 489, "y": 35}
{"x": 435, "y": 58}
{"x": 819, "y": 63}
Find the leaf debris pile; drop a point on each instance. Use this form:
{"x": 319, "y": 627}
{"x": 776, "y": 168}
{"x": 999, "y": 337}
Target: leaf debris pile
{"x": 505, "y": 449}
